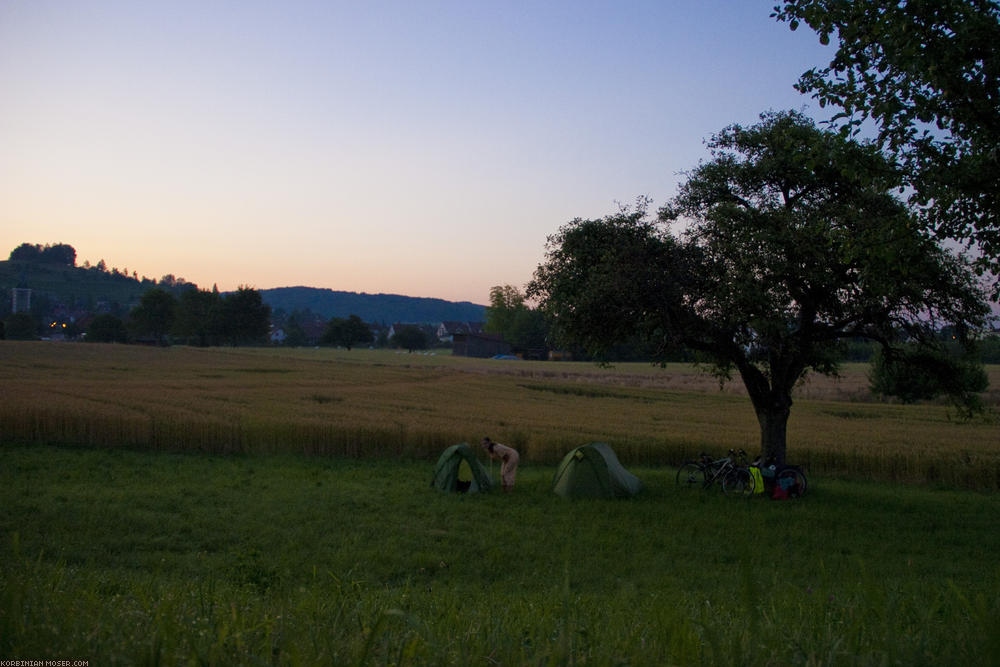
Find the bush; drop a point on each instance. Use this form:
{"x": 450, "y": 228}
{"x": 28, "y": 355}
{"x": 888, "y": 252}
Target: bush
{"x": 21, "y": 326}
{"x": 106, "y": 329}
{"x": 916, "y": 374}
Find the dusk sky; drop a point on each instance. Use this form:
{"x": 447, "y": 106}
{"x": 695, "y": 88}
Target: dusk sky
{"x": 418, "y": 148}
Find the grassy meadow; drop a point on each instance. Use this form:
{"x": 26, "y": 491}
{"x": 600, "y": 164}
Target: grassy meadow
{"x": 380, "y": 403}
{"x": 244, "y": 506}
{"x": 126, "y": 557}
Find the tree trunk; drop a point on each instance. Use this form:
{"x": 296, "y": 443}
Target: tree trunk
{"x": 773, "y": 420}
{"x": 773, "y": 404}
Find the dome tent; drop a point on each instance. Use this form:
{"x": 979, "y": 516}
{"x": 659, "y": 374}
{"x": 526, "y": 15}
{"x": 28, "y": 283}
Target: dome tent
{"x": 458, "y": 470}
{"x": 593, "y": 471}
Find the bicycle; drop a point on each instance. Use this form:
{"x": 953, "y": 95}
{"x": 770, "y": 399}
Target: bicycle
{"x": 730, "y": 472}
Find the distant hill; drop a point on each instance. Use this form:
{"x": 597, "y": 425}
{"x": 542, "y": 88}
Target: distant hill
{"x": 387, "y": 308}
{"x": 79, "y": 288}
{"x": 74, "y": 287}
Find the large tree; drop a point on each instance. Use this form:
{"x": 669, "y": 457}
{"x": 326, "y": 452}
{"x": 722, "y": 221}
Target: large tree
{"x": 106, "y": 328}
{"x": 927, "y": 72}
{"x": 411, "y": 337}
{"x": 295, "y": 335}
{"x": 790, "y": 242}
{"x": 515, "y": 321}
{"x": 347, "y": 332}
{"x": 154, "y": 315}
{"x": 246, "y": 319}
{"x": 505, "y": 303}
{"x": 199, "y": 317}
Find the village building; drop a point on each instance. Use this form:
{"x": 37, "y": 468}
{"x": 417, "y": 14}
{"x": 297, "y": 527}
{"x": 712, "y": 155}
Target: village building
{"x": 446, "y": 330}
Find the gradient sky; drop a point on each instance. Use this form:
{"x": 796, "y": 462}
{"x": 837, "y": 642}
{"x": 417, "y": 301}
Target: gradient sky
{"x": 418, "y": 148}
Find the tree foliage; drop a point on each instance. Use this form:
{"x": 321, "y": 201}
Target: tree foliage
{"x": 21, "y": 326}
{"x": 792, "y": 243}
{"x": 154, "y": 315}
{"x": 530, "y": 332}
{"x": 106, "y": 328}
{"x": 246, "y": 319}
{"x": 927, "y": 72}
{"x": 409, "y": 337}
{"x": 346, "y": 332}
{"x": 916, "y": 374}
{"x": 199, "y": 317}
{"x": 58, "y": 253}
{"x": 202, "y": 317}
{"x": 517, "y": 323}
{"x": 505, "y": 302}
{"x": 295, "y": 334}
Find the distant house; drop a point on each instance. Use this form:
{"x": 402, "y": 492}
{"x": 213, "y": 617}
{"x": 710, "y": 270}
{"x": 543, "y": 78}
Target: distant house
{"x": 429, "y": 330}
{"x": 395, "y": 327}
{"x": 482, "y": 345}
{"x": 446, "y": 330}
{"x": 305, "y": 329}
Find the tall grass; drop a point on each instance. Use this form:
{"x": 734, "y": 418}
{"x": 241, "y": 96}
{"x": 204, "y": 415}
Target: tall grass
{"x": 132, "y": 558}
{"x": 366, "y": 403}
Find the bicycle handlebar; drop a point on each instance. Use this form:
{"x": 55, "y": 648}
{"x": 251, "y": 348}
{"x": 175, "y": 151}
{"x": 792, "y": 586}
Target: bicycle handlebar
{"x": 733, "y": 455}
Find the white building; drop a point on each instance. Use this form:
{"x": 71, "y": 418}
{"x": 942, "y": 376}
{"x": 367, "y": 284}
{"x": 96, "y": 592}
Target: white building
{"x": 20, "y": 299}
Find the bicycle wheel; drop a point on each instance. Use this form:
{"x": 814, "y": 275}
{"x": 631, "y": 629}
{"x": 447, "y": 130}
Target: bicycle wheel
{"x": 793, "y": 481}
{"x": 691, "y": 475}
{"x": 738, "y": 482}
{"x": 802, "y": 480}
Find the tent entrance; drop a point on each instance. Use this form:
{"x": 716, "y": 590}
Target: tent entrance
{"x": 459, "y": 471}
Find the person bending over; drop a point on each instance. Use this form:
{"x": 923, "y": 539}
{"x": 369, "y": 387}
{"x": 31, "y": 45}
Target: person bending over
{"x": 508, "y": 458}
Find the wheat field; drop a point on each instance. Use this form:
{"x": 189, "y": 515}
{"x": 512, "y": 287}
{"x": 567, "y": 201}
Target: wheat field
{"x": 368, "y": 403}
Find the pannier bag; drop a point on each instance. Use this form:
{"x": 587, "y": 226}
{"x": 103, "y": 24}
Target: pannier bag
{"x": 783, "y": 487}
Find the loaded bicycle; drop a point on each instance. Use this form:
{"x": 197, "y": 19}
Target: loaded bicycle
{"x": 738, "y": 478}
{"x": 731, "y": 472}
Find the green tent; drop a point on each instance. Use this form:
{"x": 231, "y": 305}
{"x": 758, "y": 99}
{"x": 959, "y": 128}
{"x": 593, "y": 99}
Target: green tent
{"x": 458, "y": 470}
{"x": 593, "y": 471}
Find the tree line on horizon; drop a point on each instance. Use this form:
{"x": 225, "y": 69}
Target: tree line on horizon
{"x": 175, "y": 310}
{"x": 66, "y": 298}
{"x": 205, "y": 318}
{"x": 195, "y": 317}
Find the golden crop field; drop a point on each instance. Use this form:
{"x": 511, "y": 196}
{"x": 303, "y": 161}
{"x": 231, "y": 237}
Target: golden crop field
{"x": 385, "y": 403}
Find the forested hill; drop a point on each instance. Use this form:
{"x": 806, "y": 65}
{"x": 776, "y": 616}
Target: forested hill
{"x": 378, "y": 308}
{"x": 63, "y": 286}
{"x": 74, "y": 287}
